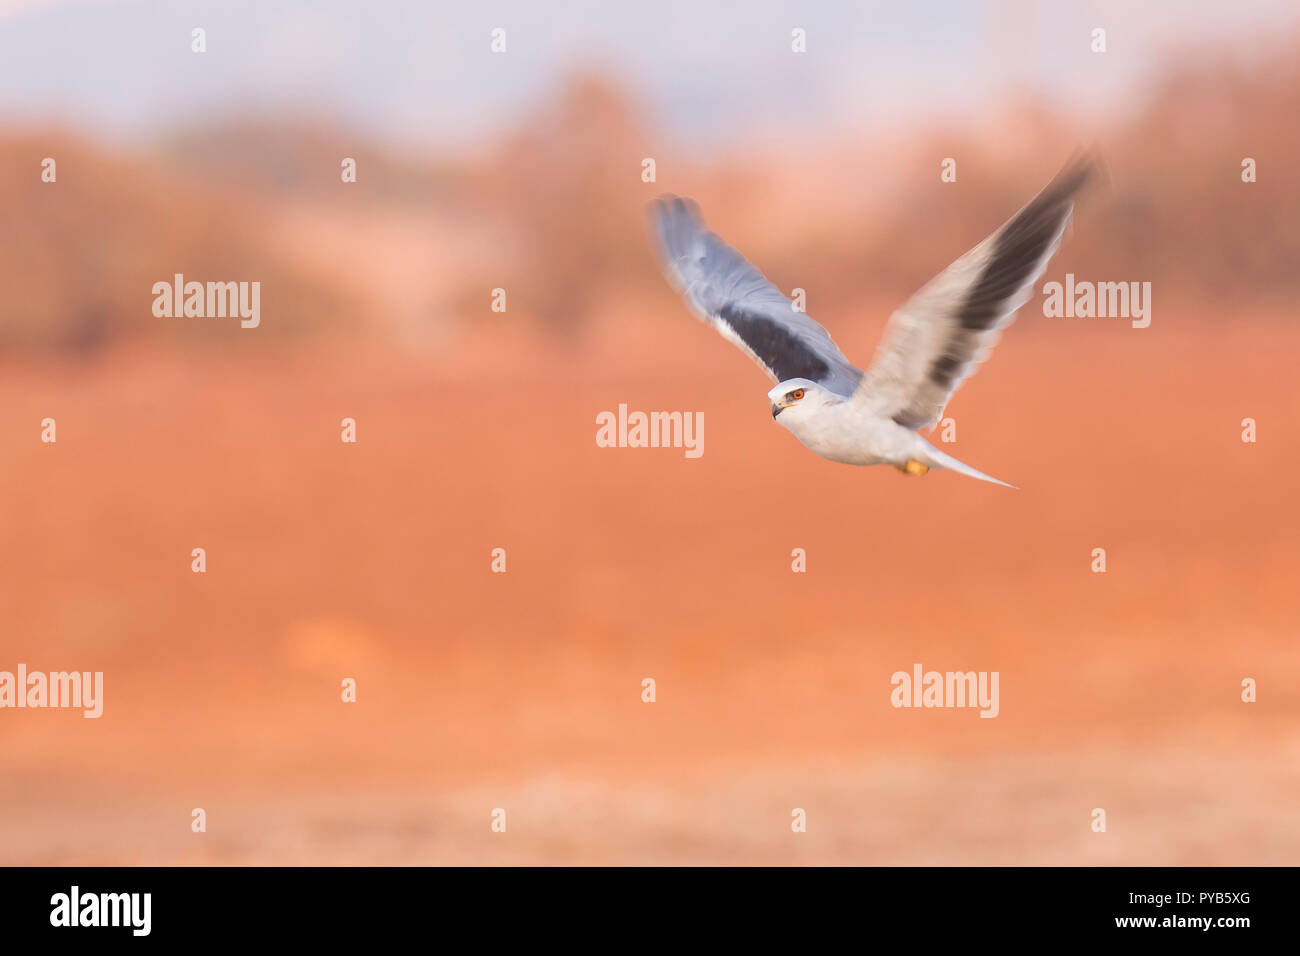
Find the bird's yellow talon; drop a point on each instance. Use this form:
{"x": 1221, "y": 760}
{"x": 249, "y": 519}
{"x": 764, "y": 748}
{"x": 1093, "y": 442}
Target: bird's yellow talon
{"x": 914, "y": 467}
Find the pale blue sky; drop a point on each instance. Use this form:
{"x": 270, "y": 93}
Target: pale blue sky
{"x": 708, "y": 72}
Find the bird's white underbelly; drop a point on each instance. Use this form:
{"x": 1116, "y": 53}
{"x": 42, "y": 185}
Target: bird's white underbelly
{"x": 847, "y": 433}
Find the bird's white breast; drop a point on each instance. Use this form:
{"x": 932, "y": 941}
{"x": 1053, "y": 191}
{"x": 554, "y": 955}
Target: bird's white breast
{"x": 848, "y": 432}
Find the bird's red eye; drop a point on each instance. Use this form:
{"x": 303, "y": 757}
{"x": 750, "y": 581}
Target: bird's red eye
{"x": 797, "y": 394}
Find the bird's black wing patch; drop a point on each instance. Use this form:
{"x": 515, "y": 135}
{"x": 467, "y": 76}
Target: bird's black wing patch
{"x": 784, "y": 353}
{"x": 735, "y": 298}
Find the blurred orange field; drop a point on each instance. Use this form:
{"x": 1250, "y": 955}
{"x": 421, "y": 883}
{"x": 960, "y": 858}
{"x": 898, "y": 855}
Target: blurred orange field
{"x": 522, "y": 690}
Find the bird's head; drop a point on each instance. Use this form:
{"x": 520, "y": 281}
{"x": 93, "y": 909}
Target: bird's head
{"x": 797, "y": 397}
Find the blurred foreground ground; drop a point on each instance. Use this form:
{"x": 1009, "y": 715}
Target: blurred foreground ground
{"x": 522, "y": 690}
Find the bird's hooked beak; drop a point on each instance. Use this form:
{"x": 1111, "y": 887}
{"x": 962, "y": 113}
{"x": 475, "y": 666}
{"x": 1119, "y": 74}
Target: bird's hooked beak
{"x": 777, "y": 409}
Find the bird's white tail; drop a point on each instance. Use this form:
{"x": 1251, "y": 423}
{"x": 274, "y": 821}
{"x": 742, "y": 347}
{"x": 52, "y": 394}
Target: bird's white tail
{"x": 937, "y": 459}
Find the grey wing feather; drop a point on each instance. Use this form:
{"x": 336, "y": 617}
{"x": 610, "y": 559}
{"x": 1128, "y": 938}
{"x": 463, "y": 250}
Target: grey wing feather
{"x": 941, "y": 335}
{"x": 734, "y": 297}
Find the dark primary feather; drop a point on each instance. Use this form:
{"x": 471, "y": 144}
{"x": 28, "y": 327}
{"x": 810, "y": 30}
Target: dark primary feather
{"x": 936, "y": 340}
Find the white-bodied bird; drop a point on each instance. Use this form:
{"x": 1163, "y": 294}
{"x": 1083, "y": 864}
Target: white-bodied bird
{"x": 932, "y": 344}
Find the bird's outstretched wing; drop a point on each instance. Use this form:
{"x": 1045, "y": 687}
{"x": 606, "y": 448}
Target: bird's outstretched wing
{"x": 939, "y": 337}
{"x": 736, "y": 299}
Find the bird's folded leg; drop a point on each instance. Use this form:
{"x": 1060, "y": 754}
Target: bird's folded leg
{"x": 913, "y": 467}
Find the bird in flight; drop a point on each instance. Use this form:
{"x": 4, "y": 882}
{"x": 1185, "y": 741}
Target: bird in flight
{"x": 931, "y": 345}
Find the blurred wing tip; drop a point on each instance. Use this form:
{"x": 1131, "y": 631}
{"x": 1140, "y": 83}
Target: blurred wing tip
{"x": 671, "y": 203}
{"x": 675, "y": 220}
{"x": 1086, "y": 167}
